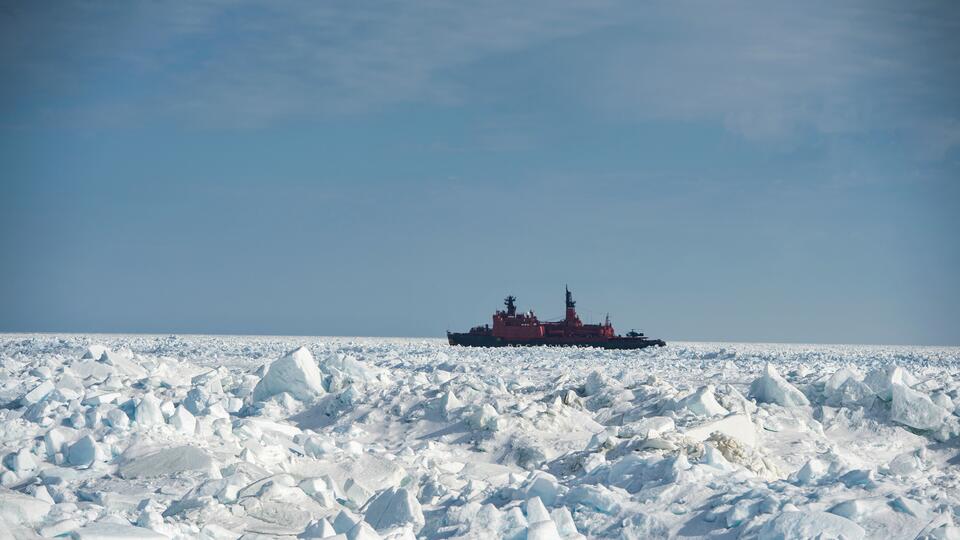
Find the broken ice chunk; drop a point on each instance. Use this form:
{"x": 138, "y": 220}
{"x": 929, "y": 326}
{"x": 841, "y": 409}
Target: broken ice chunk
{"x": 702, "y": 402}
{"x": 737, "y": 426}
{"x": 859, "y": 477}
{"x": 148, "y": 412}
{"x": 907, "y": 464}
{"x": 295, "y": 373}
{"x": 318, "y": 529}
{"x": 839, "y": 377}
{"x": 484, "y": 417}
{"x": 882, "y": 380}
{"x": 117, "y": 418}
{"x": 734, "y": 401}
{"x": 641, "y": 526}
{"x": 169, "y": 461}
{"x": 23, "y": 462}
{"x": 598, "y": 497}
{"x": 183, "y": 421}
{"x": 95, "y": 351}
{"x": 854, "y": 509}
{"x": 394, "y": 507}
{"x": 915, "y": 409}
{"x": 362, "y": 531}
{"x": 543, "y": 486}
{"x": 851, "y": 393}
{"x": 565, "y": 525}
{"x": 596, "y": 382}
{"x": 448, "y": 403}
{"x": 812, "y": 472}
{"x": 540, "y": 526}
{"x": 345, "y": 521}
{"x": 37, "y": 393}
{"x": 19, "y": 509}
{"x": 356, "y": 493}
{"x": 536, "y": 512}
{"x": 794, "y": 525}
{"x": 101, "y": 398}
{"x": 648, "y": 428}
{"x": 55, "y": 439}
{"x": 772, "y": 388}
{"x": 83, "y": 452}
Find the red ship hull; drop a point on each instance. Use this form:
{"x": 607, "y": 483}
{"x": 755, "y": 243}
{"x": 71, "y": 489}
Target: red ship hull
{"x": 512, "y": 329}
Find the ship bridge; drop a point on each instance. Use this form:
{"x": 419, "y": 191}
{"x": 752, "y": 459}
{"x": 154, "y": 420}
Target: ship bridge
{"x": 509, "y": 324}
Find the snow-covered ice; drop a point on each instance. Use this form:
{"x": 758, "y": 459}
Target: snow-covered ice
{"x": 359, "y": 438}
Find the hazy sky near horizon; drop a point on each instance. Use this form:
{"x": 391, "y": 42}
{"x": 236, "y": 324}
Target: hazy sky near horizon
{"x": 774, "y": 171}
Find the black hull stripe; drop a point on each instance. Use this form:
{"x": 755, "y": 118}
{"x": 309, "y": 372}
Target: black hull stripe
{"x": 473, "y": 340}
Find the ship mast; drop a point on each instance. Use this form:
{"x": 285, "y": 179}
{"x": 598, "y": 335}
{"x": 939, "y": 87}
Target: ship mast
{"x": 571, "y": 306}
{"x": 511, "y": 307}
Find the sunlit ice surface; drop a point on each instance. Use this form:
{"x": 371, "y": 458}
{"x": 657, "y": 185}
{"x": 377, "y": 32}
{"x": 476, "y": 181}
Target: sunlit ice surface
{"x": 114, "y": 436}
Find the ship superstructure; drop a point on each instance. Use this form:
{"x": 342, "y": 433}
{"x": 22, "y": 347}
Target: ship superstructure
{"x": 525, "y": 329}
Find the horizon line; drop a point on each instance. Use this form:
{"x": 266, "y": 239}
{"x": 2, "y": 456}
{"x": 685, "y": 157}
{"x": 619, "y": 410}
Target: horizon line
{"x": 699, "y": 341}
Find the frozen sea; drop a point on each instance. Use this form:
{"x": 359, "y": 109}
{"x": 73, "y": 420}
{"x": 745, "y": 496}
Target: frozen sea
{"x": 143, "y": 436}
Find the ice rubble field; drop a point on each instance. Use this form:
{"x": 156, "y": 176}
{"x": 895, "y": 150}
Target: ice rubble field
{"x": 229, "y": 437}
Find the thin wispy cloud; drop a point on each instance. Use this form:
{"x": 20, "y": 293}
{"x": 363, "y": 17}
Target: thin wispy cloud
{"x": 763, "y": 71}
{"x": 771, "y": 70}
{"x": 229, "y": 62}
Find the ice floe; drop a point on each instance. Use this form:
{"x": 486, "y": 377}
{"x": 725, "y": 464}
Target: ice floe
{"x": 251, "y": 437}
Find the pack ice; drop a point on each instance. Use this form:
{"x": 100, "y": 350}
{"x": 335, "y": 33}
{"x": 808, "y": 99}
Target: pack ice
{"x": 252, "y": 437}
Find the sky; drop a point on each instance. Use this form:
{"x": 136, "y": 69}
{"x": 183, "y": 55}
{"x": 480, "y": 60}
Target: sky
{"x": 736, "y": 171}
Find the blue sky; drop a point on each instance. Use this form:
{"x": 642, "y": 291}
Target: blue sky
{"x": 773, "y": 172}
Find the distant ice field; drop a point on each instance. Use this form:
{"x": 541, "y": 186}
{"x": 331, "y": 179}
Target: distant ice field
{"x": 145, "y": 436}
